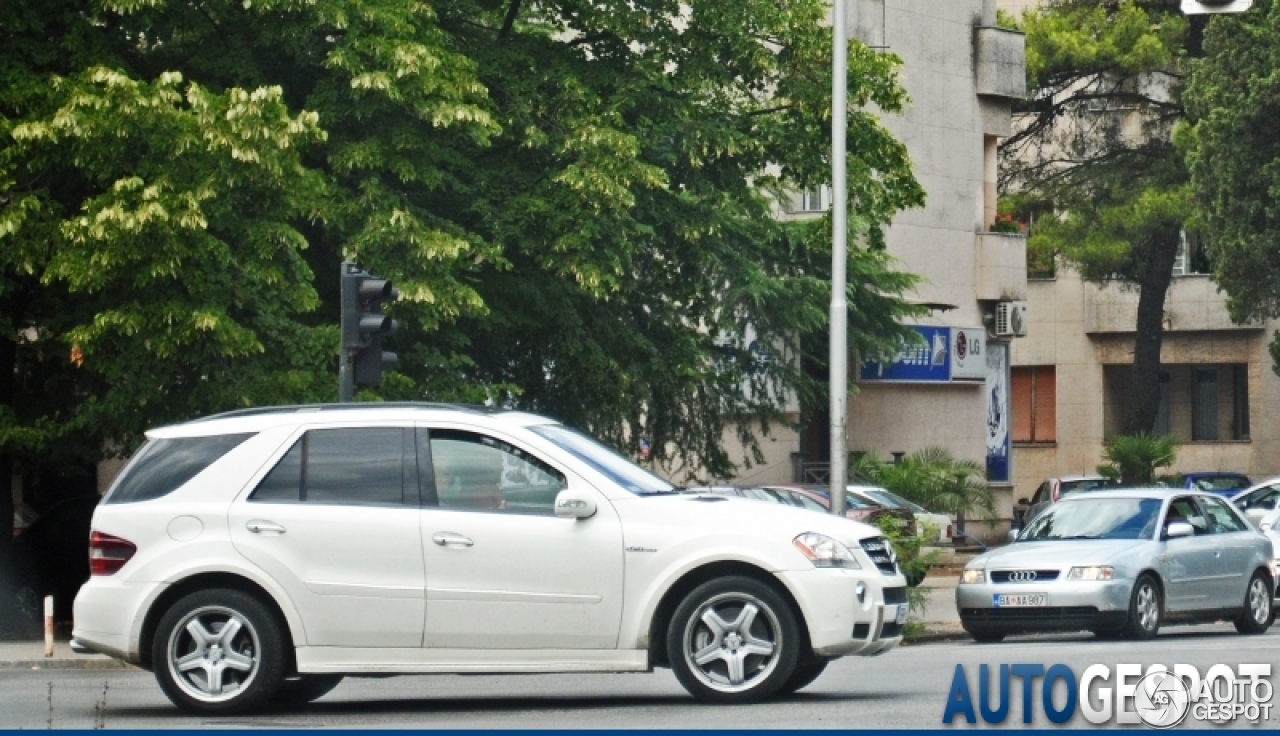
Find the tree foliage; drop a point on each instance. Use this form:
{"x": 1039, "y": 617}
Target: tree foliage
{"x": 1094, "y": 153}
{"x": 1134, "y": 459}
{"x": 1233, "y": 98}
{"x": 933, "y": 478}
{"x": 576, "y": 200}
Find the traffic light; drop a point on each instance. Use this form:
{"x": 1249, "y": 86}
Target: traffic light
{"x": 1200, "y": 7}
{"x": 363, "y": 327}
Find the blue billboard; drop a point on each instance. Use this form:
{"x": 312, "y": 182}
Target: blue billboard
{"x": 927, "y": 360}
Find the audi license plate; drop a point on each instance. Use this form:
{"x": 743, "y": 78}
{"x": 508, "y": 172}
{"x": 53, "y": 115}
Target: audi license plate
{"x": 1020, "y": 600}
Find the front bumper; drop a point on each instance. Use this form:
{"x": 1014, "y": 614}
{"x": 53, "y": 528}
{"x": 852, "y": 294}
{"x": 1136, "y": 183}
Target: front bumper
{"x": 1070, "y": 606}
{"x": 839, "y": 625}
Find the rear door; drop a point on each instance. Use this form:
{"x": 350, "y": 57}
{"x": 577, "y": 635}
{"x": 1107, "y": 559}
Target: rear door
{"x": 335, "y": 522}
{"x": 1234, "y": 554}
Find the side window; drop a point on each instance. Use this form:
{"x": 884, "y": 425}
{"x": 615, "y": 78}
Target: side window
{"x": 808, "y": 503}
{"x": 1042, "y": 494}
{"x": 1263, "y": 498}
{"x": 364, "y": 466}
{"x": 1185, "y": 510}
{"x": 160, "y": 467}
{"x": 473, "y": 471}
{"x": 1224, "y": 520}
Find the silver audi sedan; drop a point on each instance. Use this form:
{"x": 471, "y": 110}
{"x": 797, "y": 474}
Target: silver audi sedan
{"x": 1122, "y": 563}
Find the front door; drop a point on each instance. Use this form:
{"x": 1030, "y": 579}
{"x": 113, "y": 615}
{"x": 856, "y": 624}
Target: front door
{"x": 1191, "y": 563}
{"x": 335, "y": 522}
{"x": 503, "y": 572}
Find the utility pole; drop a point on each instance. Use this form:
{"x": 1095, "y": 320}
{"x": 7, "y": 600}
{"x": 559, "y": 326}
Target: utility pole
{"x": 838, "y": 361}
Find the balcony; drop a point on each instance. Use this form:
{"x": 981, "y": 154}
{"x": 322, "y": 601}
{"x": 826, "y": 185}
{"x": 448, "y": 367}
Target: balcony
{"x": 1193, "y": 304}
{"x": 1001, "y": 267}
{"x": 1001, "y": 62}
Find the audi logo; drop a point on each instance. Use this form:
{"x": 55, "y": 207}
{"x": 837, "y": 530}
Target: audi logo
{"x": 1022, "y": 576}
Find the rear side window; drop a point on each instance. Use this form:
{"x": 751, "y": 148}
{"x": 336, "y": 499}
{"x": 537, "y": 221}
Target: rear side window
{"x": 162, "y": 466}
{"x": 373, "y": 466}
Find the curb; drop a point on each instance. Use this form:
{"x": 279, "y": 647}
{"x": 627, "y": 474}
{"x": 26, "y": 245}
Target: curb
{"x": 937, "y": 636}
{"x": 104, "y": 663}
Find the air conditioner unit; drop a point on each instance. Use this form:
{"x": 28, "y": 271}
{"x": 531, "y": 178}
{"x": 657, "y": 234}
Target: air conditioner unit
{"x": 1011, "y": 319}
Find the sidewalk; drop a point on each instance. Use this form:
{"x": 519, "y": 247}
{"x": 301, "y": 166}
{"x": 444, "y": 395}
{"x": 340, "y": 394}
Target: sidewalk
{"x": 940, "y": 618}
{"x": 29, "y": 655}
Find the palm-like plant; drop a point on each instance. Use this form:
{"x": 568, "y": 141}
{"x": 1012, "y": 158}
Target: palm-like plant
{"x": 933, "y": 478}
{"x": 1134, "y": 459}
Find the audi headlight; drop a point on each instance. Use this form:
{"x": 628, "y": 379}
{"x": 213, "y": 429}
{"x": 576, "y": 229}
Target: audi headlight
{"x": 1098, "y": 572}
{"x": 823, "y": 551}
{"x": 972, "y": 575}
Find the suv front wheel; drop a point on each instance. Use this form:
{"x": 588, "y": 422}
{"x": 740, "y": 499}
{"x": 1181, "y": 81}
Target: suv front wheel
{"x": 733, "y": 640}
{"x": 219, "y": 652}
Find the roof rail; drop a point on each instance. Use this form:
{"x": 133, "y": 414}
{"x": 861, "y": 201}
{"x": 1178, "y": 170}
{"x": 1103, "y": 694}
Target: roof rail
{"x": 299, "y": 408}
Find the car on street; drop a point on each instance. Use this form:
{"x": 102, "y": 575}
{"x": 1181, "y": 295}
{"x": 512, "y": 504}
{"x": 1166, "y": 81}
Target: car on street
{"x": 817, "y": 498}
{"x": 1259, "y": 500}
{"x": 253, "y": 559}
{"x": 943, "y": 529}
{"x": 1123, "y": 563}
{"x": 1217, "y": 481}
{"x": 1053, "y": 490}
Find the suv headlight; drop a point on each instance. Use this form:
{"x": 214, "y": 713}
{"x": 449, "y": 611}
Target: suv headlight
{"x": 823, "y": 551}
{"x": 972, "y": 575}
{"x": 1098, "y": 572}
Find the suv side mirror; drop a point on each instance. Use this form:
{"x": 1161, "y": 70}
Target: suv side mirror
{"x": 1179, "y": 529}
{"x": 574, "y": 505}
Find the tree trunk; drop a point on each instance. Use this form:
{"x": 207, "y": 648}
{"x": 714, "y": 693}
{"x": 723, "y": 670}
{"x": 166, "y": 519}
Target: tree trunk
{"x": 1144, "y": 389}
{"x": 8, "y": 362}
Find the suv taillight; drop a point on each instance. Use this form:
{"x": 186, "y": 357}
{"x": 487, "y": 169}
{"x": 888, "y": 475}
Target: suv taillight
{"x": 107, "y": 554}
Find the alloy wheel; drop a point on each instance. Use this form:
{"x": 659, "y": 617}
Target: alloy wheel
{"x": 1148, "y": 607}
{"x": 732, "y": 642}
{"x": 1259, "y": 601}
{"x": 213, "y": 654}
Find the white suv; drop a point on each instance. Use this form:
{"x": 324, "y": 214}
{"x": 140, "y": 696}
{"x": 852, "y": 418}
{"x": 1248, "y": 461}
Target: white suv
{"x": 256, "y": 557}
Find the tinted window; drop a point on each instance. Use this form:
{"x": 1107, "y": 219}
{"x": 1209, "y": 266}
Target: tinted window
{"x": 477, "y": 472}
{"x": 1224, "y": 520}
{"x": 1263, "y": 498}
{"x": 1077, "y": 486}
{"x": 343, "y": 467}
{"x": 1216, "y": 483}
{"x": 162, "y": 466}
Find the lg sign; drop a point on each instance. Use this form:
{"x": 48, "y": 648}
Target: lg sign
{"x": 968, "y": 359}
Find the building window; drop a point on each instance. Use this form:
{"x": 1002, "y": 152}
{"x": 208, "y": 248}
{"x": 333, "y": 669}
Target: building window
{"x": 1198, "y": 402}
{"x": 1035, "y": 404}
{"x": 816, "y": 199}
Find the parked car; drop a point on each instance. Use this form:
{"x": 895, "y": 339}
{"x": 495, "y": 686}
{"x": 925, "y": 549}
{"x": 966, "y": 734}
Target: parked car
{"x": 1259, "y": 500}
{"x": 1123, "y": 563}
{"x": 817, "y": 498}
{"x": 257, "y": 557}
{"x": 941, "y": 523}
{"x": 1053, "y": 490}
{"x": 1221, "y": 483}
{"x": 51, "y": 557}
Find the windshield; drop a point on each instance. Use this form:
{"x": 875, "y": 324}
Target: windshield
{"x": 1094, "y": 518}
{"x": 888, "y": 498}
{"x": 1069, "y": 487}
{"x": 615, "y": 467}
{"x": 1221, "y": 483}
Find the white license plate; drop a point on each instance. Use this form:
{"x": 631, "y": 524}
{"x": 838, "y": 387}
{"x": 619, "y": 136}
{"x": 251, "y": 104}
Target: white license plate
{"x": 902, "y": 614}
{"x": 1020, "y": 600}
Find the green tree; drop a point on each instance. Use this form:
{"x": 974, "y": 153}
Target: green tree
{"x": 933, "y": 478}
{"x": 1234, "y": 158}
{"x": 576, "y": 199}
{"x": 1095, "y": 150}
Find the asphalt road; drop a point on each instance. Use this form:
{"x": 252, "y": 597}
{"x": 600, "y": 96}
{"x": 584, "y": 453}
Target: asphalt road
{"x": 905, "y": 688}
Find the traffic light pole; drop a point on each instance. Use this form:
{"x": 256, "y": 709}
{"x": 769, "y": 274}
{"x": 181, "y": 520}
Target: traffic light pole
{"x": 346, "y": 382}
{"x": 361, "y": 359}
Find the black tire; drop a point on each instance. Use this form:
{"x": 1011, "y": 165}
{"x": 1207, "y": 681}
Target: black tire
{"x": 303, "y": 689}
{"x": 806, "y": 672}
{"x": 1258, "y": 612}
{"x": 255, "y": 665}
{"x": 987, "y": 637}
{"x": 1146, "y": 609}
{"x": 738, "y": 648}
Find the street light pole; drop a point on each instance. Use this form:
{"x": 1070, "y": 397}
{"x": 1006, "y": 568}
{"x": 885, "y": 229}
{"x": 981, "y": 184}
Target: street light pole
{"x": 839, "y": 378}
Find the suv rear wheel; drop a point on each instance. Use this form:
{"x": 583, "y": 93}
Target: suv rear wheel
{"x": 733, "y": 640}
{"x": 219, "y": 652}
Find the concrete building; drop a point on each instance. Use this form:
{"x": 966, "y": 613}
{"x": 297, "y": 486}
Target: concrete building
{"x": 962, "y": 73}
{"x": 1071, "y": 374}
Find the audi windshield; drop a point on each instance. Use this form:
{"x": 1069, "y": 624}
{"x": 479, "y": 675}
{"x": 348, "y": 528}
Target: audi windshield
{"x": 1095, "y": 518}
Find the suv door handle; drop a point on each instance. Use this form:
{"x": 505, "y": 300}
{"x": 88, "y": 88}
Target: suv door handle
{"x": 257, "y": 526}
{"x": 451, "y": 539}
